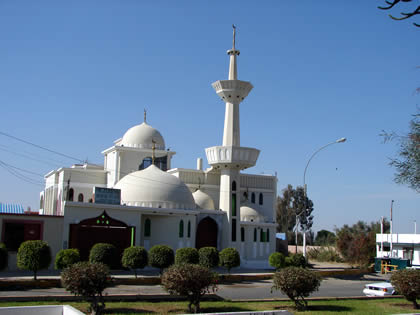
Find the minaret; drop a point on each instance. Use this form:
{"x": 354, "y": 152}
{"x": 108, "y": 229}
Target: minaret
{"x": 231, "y": 158}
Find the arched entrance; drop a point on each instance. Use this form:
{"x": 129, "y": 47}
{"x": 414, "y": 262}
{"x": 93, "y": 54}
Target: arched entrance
{"x": 206, "y": 235}
{"x": 101, "y": 229}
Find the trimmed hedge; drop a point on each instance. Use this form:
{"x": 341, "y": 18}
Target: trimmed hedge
{"x": 66, "y": 258}
{"x": 186, "y": 255}
{"x": 161, "y": 256}
{"x": 208, "y": 257}
{"x": 296, "y": 260}
{"x": 134, "y": 257}
{"x": 229, "y": 258}
{"x": 407, "y": 283}
{"x": 104, "y": 253}
{"x": 34, "y": 256}
{"x": 277, "y": 260}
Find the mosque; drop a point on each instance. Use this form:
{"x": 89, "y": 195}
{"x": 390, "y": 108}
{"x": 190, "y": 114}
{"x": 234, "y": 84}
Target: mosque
{"x": 137, "y": 198}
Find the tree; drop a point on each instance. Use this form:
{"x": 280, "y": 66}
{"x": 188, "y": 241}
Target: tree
{"x": 208, "y": 257}
{"x": 66, "y": 257}
{"x": 190, "y": 280}
{"x": 134, "y": 257}
{"x": 161, "y": 256}
{"x": 291, "y": 204}
{"x": 229, "y": 258}
{"x": 407, "y": 283}
{"x": 104, "y": 253}
{"x": 277, "y": 260}
{"x": 186, "y": 255}
{"x": 325, "y": 238}
{"x": 34, "y": 256}
{"x": 404, "y": 15}
{"x": 407, "y": 166}
{"x": 357, "y": 243}
{"x": 296, "y": 283}
{"x": 88, "y": 280}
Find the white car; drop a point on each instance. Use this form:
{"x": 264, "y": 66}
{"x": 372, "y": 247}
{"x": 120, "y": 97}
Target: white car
{"x": 379, "y": 289}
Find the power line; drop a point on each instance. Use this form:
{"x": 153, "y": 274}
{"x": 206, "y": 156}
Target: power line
{"x": 41, "y": 147}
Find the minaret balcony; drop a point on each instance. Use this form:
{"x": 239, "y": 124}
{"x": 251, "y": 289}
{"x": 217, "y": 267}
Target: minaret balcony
{"x": 232, "y": 91}
{"x": 232, "y": 157}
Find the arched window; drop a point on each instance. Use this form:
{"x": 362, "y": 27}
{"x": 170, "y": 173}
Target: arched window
{"x": 261, "y": 199}
{"x": 262, "y": 236}
{"x": 255, "y": 234}
{"x": 268, "y": 235}
{"x": 233, "y": 230}
{"x": 253, "y": 197}
{"x": 145, "y": 163}
{"x": 181, "y": 228}
{"x": 242, "y": 234}
{"x": 147, "y": 227}
{"x": 41, "y": 203}
{"x": 71, "y": 194}
{"x": 80, "y": 198}
{"x": 189, "y": 229}
{"x": 233, "y": 186}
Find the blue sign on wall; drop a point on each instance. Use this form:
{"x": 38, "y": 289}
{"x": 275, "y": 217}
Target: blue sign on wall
{"x": 109, "y": 196}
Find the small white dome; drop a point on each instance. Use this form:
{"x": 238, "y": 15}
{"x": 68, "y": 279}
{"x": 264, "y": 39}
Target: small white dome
{"x": 155, "y": 188}
{"x": 250, "y": 214}
{"x": 142, "y": 136}
{"x": 203, "y": 200}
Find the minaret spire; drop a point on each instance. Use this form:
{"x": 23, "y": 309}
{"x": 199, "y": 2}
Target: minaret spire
{"x": 233, "y": 69}
{"x": 144, "y": 115}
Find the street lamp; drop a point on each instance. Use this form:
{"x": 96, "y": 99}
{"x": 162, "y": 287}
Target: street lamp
{"x": 341, "y": 140}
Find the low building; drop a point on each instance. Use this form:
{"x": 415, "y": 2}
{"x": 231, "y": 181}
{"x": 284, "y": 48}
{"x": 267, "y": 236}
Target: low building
{"x": 404, "y": 246}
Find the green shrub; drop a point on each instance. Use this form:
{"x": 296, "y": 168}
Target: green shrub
{"x": 296, "y": 260}
{"x": 407, "y": 283}
{"x": 104, "y": 253}
{"x": 296, "y": 283}
{"x": 229, "y": 258}
{"x": 190, "y": 280}
{"x": 3, "y": 256}
{"x": 277, "y": 260}
{"x": 134, "y": 257}
{"x": 324, "y": 253}
{"x": 186, "y": 255}
{"x": 208, "y": 257}
{"x": 88, "y": 280}
{"x": 66, "y": 257}
{"x": 33, "y": 256}
{"x": 161, "y": 256}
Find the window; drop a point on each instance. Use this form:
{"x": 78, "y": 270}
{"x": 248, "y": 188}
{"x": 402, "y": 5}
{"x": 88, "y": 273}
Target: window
{"x": 189, "y": 229}
{"x": 234, "y": 205}
{"x": 262, "y": 236}
{"x": 233, "y": 230}
{"x": 253, "y": 197}
{"x": 145, "y": 163}
{"x": 181, "y": 228}
{"x": 80, "y": 198}
{"x": 71, "y": 194}
{"x": 261, "y": 199}
{"x": 255, "y": 235}
{"x": 147, "y": 228}
{"x": 268, "y": 235}
{"x": 233, "y": 186}
{"x": 242, "y": 234}
{"x": 17, "y": 232}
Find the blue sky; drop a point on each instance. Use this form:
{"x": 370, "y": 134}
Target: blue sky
{"x": 75, "y": 75}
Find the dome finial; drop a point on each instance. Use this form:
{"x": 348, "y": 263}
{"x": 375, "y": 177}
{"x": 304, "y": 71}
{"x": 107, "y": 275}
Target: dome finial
{"x": 144, "y": 115}
{"x": 233, "y": 71}
{"x": 234, "y": 35}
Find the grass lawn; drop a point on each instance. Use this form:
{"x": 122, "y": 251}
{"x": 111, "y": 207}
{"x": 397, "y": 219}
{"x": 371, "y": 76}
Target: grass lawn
{"x": 377, "y": 306}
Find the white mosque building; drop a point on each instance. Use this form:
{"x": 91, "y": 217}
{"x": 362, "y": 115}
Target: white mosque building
{"x": 137, "y": 198}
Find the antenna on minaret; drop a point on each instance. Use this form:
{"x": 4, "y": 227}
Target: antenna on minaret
{"x": 144, "y": 115}
{"x": 234, "y": 35}
{"x": 153, "y": 151}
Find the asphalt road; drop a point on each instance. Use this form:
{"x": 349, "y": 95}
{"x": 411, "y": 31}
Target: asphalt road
{"x": 330, "y": 287}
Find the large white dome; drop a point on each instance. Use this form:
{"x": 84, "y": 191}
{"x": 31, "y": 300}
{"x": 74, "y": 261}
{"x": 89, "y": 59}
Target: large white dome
{"x": 155, "y": 188}
{"x": 142, "y": 136}
{"x": 203, "y": 200}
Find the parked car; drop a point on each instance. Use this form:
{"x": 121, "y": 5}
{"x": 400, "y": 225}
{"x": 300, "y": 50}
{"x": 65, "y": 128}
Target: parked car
{"x": 379, "y": 289}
